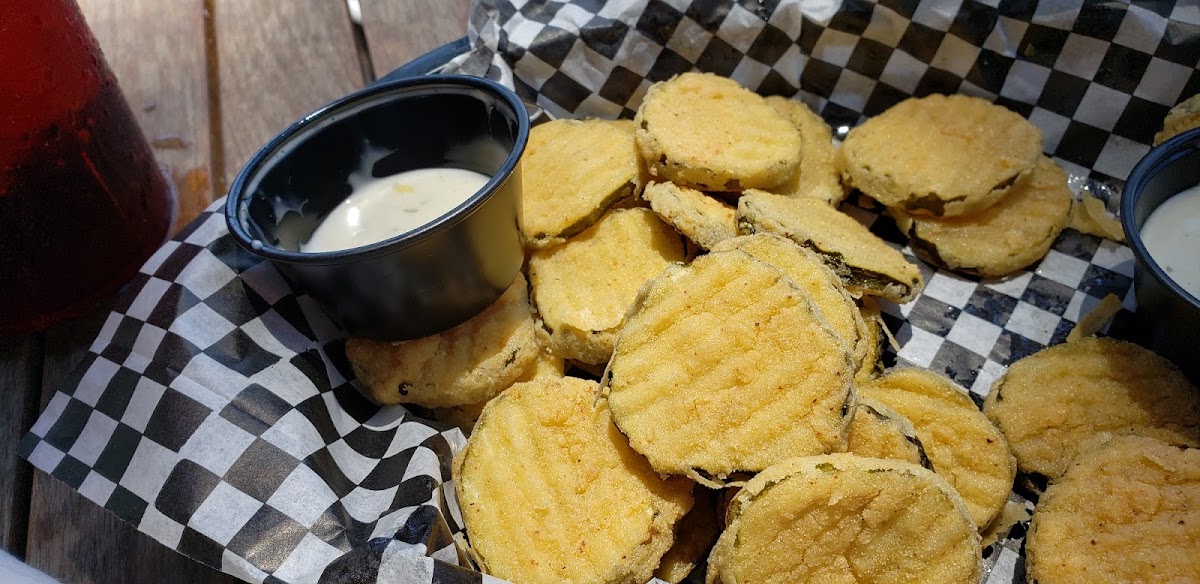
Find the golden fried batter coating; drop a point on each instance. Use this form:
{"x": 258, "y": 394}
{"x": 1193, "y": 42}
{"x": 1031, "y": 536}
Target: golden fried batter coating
{"x": 999, "y": 240}
{"x": 726, "y": 365}
{"x": 551, "y": 492}
{"x": 1128, "y": 511}
{"x": 1183, "y": 117}
{"x": 709, "y": 133}
{"x": 866, "y": 264}
{"x": 705, "y": 220}
{"x": 818, "y": 176}
{"x": 845, "y": 518}
{"x": 823, "y": 286}
{"x": 881, "y": 432}
{"x": 1090, "y": 215}
{"x": 467, "y": 364}
{"x": 1060, "y": 401}
{"x": 547, "y": 364}
{"x": 962, "y": 444}
{"x": 572, "y": 172}
{"x": 940, "y": 155}
{"x": 583, "y": 288}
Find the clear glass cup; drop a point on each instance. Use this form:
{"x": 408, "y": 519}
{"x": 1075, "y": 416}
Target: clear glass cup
{"x": 82, "y": 201}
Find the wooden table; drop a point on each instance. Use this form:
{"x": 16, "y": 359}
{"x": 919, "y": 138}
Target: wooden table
{"x": 210, "y": 82}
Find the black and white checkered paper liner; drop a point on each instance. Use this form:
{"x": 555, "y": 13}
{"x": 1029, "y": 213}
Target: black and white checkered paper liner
{"x": 216, "y": 411}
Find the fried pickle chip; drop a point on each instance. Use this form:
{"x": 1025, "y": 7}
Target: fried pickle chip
{"x": 1001, "y": 239}
{"x": 823, "y": 286}
{"x": 845, "y": 518}
{"x": 818, "y": 176}
{"x": 551, "y": 492}
{"x": 709, "y": 133}
{"x": 467, "y": 364}
{"x": 1060, "y": 401}
{"x": 725, "y": 365}
{"x": 695, "y": 535}
{"x": 865, "y": 263}
{"x": 583, "y": 288}
{"x": 1126, "y": 512}
{"x": 703, "y": 219}
{"x": 572, "y": 172}
{"x": 944, "y": 155}
{"x": 881, "y": 432}
{"x": 961, "y": 443}
{"x": 1183, "y": 117}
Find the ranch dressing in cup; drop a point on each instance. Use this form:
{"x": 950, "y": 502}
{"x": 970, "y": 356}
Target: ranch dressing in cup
{"x": 386, "y": 207}
{"x": 1172, "y": 237}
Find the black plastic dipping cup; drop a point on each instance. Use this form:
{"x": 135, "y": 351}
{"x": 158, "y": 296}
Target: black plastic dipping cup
{"x": 1174, "y": 315}
{"x": 426, "y": 280}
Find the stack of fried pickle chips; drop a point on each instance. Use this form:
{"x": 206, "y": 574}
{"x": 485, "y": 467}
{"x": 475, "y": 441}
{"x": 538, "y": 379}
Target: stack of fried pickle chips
{"x": 694, "y": 268}
{"x": 1111, "y": 432}
{"x": 964, "y": 178}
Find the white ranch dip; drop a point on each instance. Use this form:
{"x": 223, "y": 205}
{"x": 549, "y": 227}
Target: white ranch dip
{"x": 1172, "y": 236}
{"x": 382, "y": 208}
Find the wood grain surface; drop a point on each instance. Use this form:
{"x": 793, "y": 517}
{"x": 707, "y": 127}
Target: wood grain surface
{"x": 156, "y": 50}
{"x": 19, "y": 382}
{"x": 277, "y": 60}
{"x": 394, "y": 37}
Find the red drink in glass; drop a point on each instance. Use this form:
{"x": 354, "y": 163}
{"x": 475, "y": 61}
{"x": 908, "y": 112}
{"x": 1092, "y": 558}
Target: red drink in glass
{"x": 82, "y": 201}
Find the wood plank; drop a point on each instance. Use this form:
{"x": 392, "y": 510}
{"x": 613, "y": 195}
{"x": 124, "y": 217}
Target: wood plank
{"x": 74, "y": 539}
{"x": 81, "y": 542}
{"x": 20, "y": 385}
{"x": 398, "y": 32}
{"x": 157, "y": 51}
{"x": 277, "y": 60}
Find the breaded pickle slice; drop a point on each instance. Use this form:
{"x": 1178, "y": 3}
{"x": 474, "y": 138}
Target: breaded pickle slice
{"x": 551, "y": 492}
{"x": 1001, "y": 239}
{"x": 961, "y": 443}
{"x": 1060, "y": 401}
{"x": 705, "y": 220}
{"x": 865, "y": 263}
{"x": 881, "y": 432}
{"x": 823, "y": 286}
{"x": 845, "y": 518}
{"x": 583, "y": 288}
{"x": 1126, "y": 512}
{"x": 944, "y": 155}
{"x": 467, "y": 364}
{"x": 695, "y": 535}
{"x": 709, "y": 133}
{"x": 1183, "y": 117}
{"x": 818, "y": 176}
{"x": 572, "y": 172}
{"x": 726, "y": 365}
